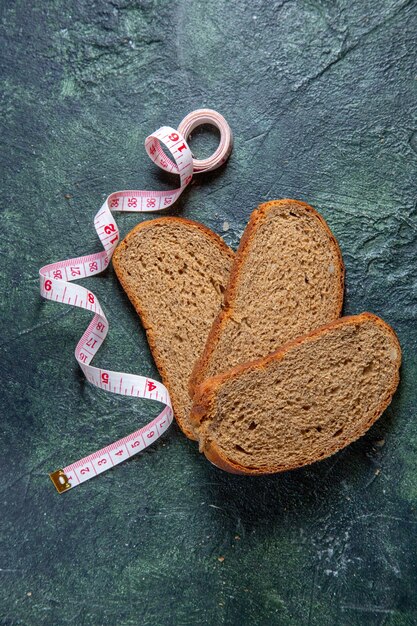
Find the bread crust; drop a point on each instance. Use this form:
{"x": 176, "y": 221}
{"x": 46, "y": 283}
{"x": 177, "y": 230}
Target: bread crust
{"x": 205, "y": 396}
{"x": 201, "y": 365}
{"x": 146, "y": 321}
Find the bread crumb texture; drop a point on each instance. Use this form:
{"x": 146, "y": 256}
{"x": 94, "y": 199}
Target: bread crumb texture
{"x": 305, "y": 402}
{"x": 287, "y": 280}
{"x": 174, "y": 272}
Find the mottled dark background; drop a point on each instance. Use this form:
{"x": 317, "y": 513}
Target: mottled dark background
{"x": 321, "y": 96}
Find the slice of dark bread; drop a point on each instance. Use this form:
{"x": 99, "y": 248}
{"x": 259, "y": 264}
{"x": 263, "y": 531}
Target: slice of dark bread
{"x": 286, "y": 279}
{"x": 301, "y": 404}
{"x": 174, "y": 272}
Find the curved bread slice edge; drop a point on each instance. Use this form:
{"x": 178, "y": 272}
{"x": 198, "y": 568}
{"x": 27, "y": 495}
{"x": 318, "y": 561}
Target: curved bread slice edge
{"x": 301, "y": 404}
{"x": 174, "y": 272}
{"x": 287, "y": 279}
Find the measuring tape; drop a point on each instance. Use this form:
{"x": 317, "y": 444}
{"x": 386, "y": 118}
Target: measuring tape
{"x": 56, "y": 284}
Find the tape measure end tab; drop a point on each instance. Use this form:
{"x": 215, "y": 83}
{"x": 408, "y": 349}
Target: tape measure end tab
{"x": 60, "y": 481}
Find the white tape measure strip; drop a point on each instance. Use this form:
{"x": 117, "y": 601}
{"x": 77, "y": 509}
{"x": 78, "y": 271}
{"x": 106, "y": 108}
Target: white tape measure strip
{"x": 56, "y": 284}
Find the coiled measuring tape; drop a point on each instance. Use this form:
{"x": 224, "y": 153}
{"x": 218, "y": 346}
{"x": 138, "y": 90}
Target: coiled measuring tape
{"x": 56, "y": 284}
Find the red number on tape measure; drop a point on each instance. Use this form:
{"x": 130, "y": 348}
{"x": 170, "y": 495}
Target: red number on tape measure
{"x": 173, "y": 137}
{"x": 91, "y": 298}
{"x": 135, "y": 444}
{"x": 102, "y": 462}
{"x": 110, "y": 228}
{"x": 105, "y": 378}
{"x": 84, "y": 470}
{"x": 151, "y": 434}
{"x": 48, "y": 285}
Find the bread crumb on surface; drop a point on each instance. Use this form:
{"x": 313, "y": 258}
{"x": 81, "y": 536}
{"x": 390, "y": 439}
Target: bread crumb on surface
{"x": 220, "y": 558}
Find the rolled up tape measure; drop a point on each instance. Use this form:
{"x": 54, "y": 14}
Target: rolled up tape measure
{"x": 56, "y": 284}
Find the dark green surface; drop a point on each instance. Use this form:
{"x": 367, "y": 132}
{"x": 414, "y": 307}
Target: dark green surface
{"x": 321, "y": 97}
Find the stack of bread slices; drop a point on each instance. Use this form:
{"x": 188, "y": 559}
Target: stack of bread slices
{"x": 261, "y": 368}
